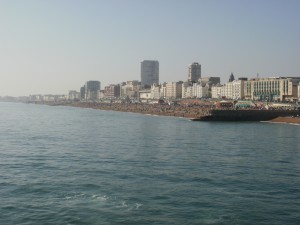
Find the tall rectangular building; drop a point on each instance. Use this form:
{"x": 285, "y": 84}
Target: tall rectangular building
{"x": 149, "y": 73}
{"x": 194, "y": 72}
{"x": 91, "y": 89}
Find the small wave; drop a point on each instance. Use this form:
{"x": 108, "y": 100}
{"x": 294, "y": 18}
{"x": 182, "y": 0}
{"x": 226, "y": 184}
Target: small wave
{"x": 138, "y": 205}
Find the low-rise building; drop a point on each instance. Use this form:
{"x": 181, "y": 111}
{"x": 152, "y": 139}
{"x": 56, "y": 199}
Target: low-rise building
{"x": 145, "y": 94}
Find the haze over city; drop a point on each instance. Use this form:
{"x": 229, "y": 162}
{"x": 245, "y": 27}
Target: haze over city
{"x": 50, "y": 47}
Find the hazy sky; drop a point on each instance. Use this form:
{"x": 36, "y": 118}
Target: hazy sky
{"x": 52, "y": 46}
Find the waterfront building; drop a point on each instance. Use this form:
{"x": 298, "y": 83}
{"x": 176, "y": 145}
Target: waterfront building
{"x": 155, "y": 91}
{"x": 201, "y": 90}
{"x": 216, "y": 91}
{"x": 272, "y": 89}
{"x": 145, "y": 94}
{"x": 174, "y": 89}
{"x": 100, "y": 94}
{"x": 112, "y": 91}
{"x": 82, "y": 93}
{"x": 194, "y": 72}
{"x": 149, "y": 73}
{"x": 91, "y": 89}
{"x": 210, "y": 81}
{"x": 74, "y": 95}
{"x": 54, "y": 98}
{"x": 163, "y": 90}
{"x": 130, "y": 89}
{"x": 227, "y": 90}
{"x": 36, "y": 98}
{"x": 238, "y": 89}
{"x": 187, "y": 90}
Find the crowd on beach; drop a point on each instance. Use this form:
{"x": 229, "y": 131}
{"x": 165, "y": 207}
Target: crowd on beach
{"x": 188, "y": 108}
{"x": 181, "y": 109}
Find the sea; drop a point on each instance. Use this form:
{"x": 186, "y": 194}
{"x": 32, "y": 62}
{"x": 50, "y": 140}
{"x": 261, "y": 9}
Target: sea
{"x": 67, "y": 165}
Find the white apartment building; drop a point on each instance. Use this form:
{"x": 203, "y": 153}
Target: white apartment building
{"x": 187, "y": 90}
{"x": 238, "y": 89}
{"x": 216, "y": 91}
{"x": 163, "y": 90}
{"x": 130, "y": 89}
{"x": 227, "y": 90}
{"x": 201, "y": 90}
{"x": 174, "y": 89}
{"x": 155, "y": 91}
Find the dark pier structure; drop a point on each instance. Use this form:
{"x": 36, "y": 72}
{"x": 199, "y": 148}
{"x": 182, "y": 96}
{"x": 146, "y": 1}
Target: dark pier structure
{"x": 247, "y": 115}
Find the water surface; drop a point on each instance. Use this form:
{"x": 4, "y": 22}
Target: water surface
{"x": 63, "y": 165}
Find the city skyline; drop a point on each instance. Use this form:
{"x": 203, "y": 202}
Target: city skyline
{"x": 50, "y": 47}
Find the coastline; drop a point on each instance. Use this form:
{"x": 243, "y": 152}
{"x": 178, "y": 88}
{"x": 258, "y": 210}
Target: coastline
{"x": 188, "y": 111}
{"x": 195, "y": 110}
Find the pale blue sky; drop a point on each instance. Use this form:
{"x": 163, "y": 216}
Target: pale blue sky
{"x": 52, "y": 46}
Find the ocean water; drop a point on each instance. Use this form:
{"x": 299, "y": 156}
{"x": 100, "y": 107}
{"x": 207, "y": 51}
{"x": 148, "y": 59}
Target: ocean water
{"x": 64, "y": 165}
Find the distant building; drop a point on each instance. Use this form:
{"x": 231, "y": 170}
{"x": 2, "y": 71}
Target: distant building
{"x": 91, "y": 89}
{"x": 112, "y": 91}
{"x": 130, "y": 89}
{"x": 216, "y": 91}
{"x": 226, "y": 90}
{"x": 238, "y": 89}
{"x": 155, "y": 91}
{"x": 82, "y": 93}
{"x": 194, "y": 72}
{"x": 74, "y": 95}
{"x": 163, "y": 90}
{"x": 210, "y": 80}
{"x": 272, "y": 89}
{"x": 149, "y": 73}
{"x": 174, "y": 89}
{"x": 145, "y": 94}
{"x": 231, "y": 77}
{"x": 201, "y": 90}
{"x": 187, "y": 90}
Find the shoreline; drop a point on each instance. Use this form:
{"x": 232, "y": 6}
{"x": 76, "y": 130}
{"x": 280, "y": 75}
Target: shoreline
{"x": 191, "y": 111}
{"x": 180, "y": 111}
